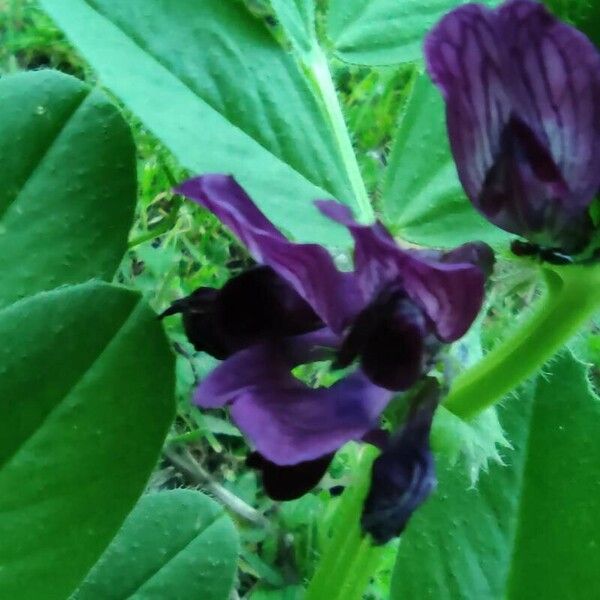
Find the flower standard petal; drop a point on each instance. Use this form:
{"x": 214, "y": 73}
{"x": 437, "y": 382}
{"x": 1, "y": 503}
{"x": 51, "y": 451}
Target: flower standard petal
{"x": 522, "y": 95}
{"x": 308, "y": 268}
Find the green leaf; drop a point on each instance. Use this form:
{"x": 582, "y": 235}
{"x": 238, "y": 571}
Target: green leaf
{"x": 583, "y": 14}
{"x": 297, "y": 17}
{"x": 383, "y": 32}
{"x": 530, "y": 529}
{"x": 86, "y": 398}
{"x": 423, "y": 199}
{"x": 217, "y": 89}
{"x": 175, "y": 544}
{"x": 68, "y": 184}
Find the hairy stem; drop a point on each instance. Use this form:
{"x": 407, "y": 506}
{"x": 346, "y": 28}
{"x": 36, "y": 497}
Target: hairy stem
{"x": 319, "y": 70}
{"x": 571, "y": 299}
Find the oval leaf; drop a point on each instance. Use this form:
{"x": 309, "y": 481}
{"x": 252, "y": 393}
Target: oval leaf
{"x": 530, "y": 528}
{"x": 216, "y": 88}
{"x": 86, "y": 398}
{"x": 175, "y": 544}
{"x": 69, "y": 184}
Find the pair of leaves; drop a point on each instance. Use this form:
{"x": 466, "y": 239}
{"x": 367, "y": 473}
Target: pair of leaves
{"x": 72, "y": 379}
{"x": 86, "y": 374}
{"x": 530, "y": 527}
{"x": 215, "y": 87}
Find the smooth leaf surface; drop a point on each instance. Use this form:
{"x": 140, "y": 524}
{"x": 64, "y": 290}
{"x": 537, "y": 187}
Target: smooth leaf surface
{"x": 383, "y": 32}
{"x": 217, "y": 89}
{"x": 86, "y": 398}
{"x": 297, "y": 17}
{"x": 530, "y": 528}
{"x": 174, "y": 545}
{"x": 423, "y": 199}
{"x": 68, "y": 184}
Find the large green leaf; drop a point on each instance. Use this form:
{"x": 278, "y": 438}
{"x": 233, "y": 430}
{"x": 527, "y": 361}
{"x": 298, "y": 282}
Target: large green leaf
{"x": 68, "y": 184}
{"x": 215, "y": 86}
{"x": 86, "y": 398}
{"x": 530, "y": 528}
{"x": 422, "y": 196}
{"x": 383, "y": 32}
{"x": 174, "y": 545}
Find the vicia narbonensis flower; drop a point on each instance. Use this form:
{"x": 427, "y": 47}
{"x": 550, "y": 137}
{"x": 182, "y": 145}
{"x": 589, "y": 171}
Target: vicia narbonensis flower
{"x": 392, "y": 312}
{"x": 403, "y": 475}
{"x": 522, "y": 94}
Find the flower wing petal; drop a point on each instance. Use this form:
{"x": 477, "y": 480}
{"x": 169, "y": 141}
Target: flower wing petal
{"x": 291, "y": 424}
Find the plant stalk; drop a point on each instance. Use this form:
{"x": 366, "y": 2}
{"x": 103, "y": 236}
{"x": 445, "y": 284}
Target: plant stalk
{"x": 318, "y": 68}
{"x": 571, "y": 299}
{"x": 349, "y": 559}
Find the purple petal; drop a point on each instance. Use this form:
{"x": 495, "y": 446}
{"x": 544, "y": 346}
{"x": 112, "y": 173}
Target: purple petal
{"x": 293, "y": 423}
{"x": 403, "y": 476}
{"x": 262, "y": 365}
{"x": 391, "y": 337}
{"x": 291, "y": 481}
{"x": 464, "y": 54}
{"x": 558, "y": 74}
{"x": 450, "y": 294}
{"x": 522, "y": 95}
{"x": 308, "y": 268}
{"x": 254, "y": 306}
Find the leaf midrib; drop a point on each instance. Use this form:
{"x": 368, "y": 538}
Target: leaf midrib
{"x": 76, "y": 381}
{"x": 173, "y": 556}
{"x": 44, "y": 154}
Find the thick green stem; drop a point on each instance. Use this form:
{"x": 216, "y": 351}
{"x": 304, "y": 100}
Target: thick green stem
{"x": 349, "y": 559}
{"x": 572, "y": 297}
{"x": 318, "y": 67}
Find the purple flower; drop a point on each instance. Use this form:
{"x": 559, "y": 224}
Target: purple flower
{"x": 522, "y": 94}
{"x": 391, "y": 313}
{"x": 403, "y": 475}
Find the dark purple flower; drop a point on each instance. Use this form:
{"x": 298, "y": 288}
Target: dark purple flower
{"x": 391, "y": 313}
{"x": 412, "y": 301}
{"x": 252, "y": 307}
{"x": 522, "y": 94}
{"x": 403, "y": 476}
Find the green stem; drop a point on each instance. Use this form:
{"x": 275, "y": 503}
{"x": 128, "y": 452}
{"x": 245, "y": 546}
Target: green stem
{"x": 349, "y": 559}
{"x": 571, "y": 299}
{"x": 318, "y": 67}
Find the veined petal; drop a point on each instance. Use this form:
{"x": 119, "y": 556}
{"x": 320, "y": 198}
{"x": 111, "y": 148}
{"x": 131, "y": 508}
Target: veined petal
{"x": 556, "y": 83}
{"x": 308, "y": 268}
{"x": 522, "y": 95}
{"x": 450, "y": 294}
